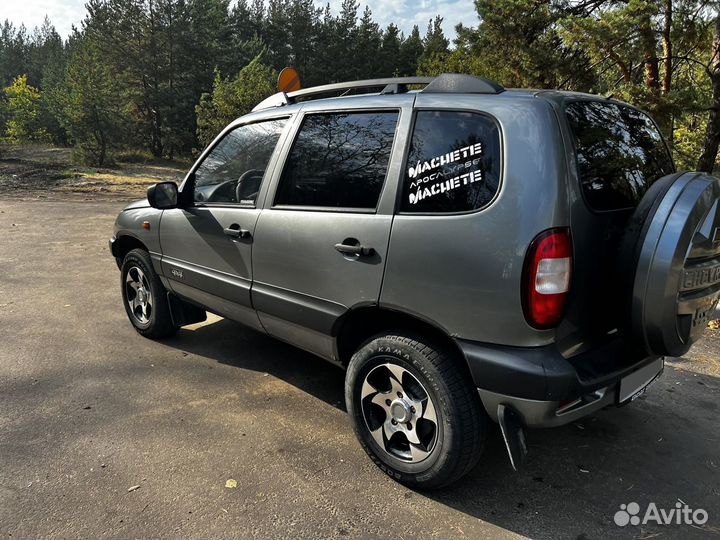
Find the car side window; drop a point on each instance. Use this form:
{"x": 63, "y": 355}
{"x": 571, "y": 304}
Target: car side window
{"x": 453, "y": 164}
{"x": 339, "y": 160}
{"x": 233, "y": 170}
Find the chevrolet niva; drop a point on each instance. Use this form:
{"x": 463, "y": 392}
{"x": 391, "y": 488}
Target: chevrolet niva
{"x": 467, "y": 253}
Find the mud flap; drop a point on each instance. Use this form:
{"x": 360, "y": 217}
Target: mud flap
{"x": 513, "y": 435}
{"x": 184, "y": 313}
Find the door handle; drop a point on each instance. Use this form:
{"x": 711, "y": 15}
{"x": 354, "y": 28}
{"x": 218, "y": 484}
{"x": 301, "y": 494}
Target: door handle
{"x": 236, "y": 231}
{"x": 358, "y": 250}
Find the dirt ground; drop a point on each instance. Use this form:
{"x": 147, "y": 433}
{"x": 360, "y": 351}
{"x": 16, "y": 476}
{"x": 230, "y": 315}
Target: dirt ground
{"x": 42, "y": 171}
{"x": 106, "y": 434}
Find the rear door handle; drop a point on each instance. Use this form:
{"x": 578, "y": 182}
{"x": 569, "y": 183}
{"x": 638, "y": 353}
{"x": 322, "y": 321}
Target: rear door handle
{"x": 236, "y": 231}
{"x": 358, "y": 249}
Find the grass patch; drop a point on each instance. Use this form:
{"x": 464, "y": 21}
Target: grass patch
{"x": 117, "y": 178}
{"x": 134, "y": 156}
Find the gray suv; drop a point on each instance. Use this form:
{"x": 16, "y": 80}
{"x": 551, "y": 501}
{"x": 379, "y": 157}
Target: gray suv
{"x": 467, "y": 253}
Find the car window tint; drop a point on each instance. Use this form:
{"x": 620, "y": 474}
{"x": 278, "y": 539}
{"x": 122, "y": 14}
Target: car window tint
{"x": 620, "y": 153}
{"x": 338, "y": 160}
{"x": 233, "y": 170}
{"x": 453, "y": 164}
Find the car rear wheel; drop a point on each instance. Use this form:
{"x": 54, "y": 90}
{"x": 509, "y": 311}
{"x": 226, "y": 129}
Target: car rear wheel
{"x": 145, "y": 297}
{"x": 414, "y": 410}
{"x": 672, "y": 246}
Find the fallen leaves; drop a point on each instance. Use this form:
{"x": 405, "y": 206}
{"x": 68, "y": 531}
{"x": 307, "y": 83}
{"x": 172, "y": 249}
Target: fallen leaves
{"x": 231, "y": 484}
{"x": 714, "y": 325}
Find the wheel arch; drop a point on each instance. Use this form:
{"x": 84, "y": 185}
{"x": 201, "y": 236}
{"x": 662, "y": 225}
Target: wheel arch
{"x": 361, "y": 323}
{"x": 124, "y": 244}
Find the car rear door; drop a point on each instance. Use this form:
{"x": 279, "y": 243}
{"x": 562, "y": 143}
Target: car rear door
{"x": 321, "y": 240}
{"x": 615, "y": 153}
{"x": 207, "y": 244}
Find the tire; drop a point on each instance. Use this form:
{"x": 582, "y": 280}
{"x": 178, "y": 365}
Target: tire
{"x": 387, "y": 366}
{"x": 148, "y": 308}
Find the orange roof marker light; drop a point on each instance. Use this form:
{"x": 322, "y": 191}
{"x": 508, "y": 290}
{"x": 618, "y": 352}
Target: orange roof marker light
{"x": 289, "y": 80}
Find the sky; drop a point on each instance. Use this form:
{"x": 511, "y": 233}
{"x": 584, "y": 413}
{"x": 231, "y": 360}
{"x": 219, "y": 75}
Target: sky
{"x": 404, "y": 13}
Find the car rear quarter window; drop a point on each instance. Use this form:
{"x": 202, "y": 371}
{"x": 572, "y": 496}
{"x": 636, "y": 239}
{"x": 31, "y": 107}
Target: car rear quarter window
{"x": 619, "y": 152}
{"x": 338, "y": 160}
{"x": 453, "y": 164}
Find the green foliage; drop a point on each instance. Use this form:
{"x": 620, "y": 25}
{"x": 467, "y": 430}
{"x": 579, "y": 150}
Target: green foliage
{"x": 14, "y": 52}
{"x": 435, "y": 44}
{"x": 517, "y": 44}
{"x": 154, "y": 65}
{"x": 21, "y": 109}
{"x": 689, "y": 138}
{"x": 411, "y": 50}
{"x": 389, "y": 51}
{"x": 234, "y": 97}
{"x": 93, "y": 109}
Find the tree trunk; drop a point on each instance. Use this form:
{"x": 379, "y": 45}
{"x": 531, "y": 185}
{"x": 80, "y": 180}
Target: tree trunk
{"x": 156, "y": 138}
{"x": 649, "y": 46}
{"x": 667, "y": 46}
{"x": 712, "y": 135}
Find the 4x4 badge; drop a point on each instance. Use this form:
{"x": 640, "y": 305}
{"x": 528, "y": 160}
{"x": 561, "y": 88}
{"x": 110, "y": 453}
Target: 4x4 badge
{"x": 177, "y": 273}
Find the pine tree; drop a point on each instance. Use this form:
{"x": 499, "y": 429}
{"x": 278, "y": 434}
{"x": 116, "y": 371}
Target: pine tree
{"x": 234, "y": 97}
{"x": 14, "y": 52}
{"x": 367, "y": 47}
{"x": 708, "y": 158}
{"x": 93, "y": 107}
{"x": 435, "y": 42}
{"x": 344, "y": 43}
{"x": 411, "y": 50}
{"x": 390, "y": 52}
{"x": 302, "y": 35}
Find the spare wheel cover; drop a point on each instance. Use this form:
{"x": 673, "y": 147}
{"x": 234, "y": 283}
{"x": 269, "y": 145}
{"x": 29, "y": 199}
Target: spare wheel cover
{"x": 677, "y": 278}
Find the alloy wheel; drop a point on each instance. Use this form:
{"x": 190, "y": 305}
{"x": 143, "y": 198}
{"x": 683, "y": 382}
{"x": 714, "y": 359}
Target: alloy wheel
{"x": 138, "y": 294}
{"x": 399, "y": 412}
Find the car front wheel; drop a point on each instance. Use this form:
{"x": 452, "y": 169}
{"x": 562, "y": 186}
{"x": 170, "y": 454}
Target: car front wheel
{"x": 414, "y": 410}
{"x": 145, "y": 297}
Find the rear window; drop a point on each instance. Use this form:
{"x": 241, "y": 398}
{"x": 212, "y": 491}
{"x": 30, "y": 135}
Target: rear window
{"x": 453, "y": 164}
{"x": 620, "y": 153}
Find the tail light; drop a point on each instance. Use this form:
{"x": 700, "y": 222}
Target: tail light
{"x": 546, "y": 278}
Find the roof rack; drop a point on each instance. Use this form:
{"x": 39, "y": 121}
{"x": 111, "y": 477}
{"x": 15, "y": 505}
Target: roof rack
{"x": 447, "y": 83}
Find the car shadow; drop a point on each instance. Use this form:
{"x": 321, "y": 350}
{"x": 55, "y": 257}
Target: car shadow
{"x": 223, "y": 340}
{"x": 662, "y": 448}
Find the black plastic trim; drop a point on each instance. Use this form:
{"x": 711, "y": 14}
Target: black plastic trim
{"x": 542, "y": 373}
{"x": 458, "y": 83}
{"x": 183, "y": 313}
{"x": 112, "y": 245}
{"x": 302, "y": 309}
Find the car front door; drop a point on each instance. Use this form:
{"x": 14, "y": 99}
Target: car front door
{"x": 321, "y": 241}
{"x": 206, "y": 245}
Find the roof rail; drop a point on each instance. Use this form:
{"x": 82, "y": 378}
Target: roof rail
{"x": 456, "y": 83}
{"x": 447, "y": 83}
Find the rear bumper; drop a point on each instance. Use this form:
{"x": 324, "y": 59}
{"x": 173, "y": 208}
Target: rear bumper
{"x": 547, "y": 389}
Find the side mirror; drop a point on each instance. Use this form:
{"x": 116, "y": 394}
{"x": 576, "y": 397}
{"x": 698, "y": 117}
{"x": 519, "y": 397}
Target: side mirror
{"x": 163, "y": 195}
